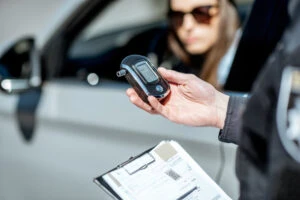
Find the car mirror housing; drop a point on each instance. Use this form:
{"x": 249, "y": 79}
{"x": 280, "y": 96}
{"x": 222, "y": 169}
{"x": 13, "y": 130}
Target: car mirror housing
{"x": 20, "y": 67}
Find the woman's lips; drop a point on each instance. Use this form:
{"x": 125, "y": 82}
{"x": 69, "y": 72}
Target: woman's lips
{"x": 191, "y": 40}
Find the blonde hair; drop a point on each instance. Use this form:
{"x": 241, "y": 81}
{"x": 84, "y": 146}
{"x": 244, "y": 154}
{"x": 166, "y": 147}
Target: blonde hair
{"x": 229, "y": 23}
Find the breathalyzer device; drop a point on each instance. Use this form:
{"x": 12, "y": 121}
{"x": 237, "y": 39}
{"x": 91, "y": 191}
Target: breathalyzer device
{"x": 143, "y": 77}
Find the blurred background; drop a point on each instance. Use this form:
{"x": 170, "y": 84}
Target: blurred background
{"x": 20, "y": 18}
{"x": 37, "y": 17}
{"x": 64, "y": 120}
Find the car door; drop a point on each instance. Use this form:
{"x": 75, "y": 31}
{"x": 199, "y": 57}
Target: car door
{"x": 79, "y": 125}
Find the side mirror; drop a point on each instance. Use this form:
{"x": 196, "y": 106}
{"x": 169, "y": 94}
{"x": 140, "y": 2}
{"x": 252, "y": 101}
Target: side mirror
{"x": 20, "y": 67}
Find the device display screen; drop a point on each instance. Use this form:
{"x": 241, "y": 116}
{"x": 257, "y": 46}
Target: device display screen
{"x": 145, "y": 70}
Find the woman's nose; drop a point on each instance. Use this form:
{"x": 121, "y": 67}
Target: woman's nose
{"x": 188, "y": 21}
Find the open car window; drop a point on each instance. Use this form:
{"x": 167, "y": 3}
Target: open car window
{"x": 97, "y": 49}
{"x": 124, "y": 14}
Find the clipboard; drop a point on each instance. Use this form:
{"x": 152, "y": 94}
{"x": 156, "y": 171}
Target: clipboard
{"x": 165, "y": 171}
{"x": 107, "y": 188}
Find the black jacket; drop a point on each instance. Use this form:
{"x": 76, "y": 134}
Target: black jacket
{"x": 263, "y": 166}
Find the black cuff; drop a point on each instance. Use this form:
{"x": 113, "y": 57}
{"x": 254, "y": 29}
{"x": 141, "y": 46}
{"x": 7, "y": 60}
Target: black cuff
{"x": 231, "y": 129}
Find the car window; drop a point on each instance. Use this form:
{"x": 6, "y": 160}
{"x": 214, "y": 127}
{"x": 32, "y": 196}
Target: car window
{"x": 111, "y": 29}
{"x": 123, "y": 14}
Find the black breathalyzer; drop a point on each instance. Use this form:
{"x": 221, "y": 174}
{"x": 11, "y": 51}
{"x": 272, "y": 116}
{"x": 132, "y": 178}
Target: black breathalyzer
{"x": 143, "y": 77}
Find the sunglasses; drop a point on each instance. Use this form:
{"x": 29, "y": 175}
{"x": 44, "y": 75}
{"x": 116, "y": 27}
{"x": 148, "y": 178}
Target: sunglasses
{"x": 201, "y": 14}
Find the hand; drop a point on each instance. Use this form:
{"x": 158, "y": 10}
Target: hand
{"x": 190, "y": 102}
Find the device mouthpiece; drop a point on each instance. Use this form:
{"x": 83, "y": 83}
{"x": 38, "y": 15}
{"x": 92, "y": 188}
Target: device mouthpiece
{"x": 121, "y": 73}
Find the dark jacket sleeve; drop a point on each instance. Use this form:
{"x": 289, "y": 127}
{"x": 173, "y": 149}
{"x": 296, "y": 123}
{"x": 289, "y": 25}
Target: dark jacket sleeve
{"x": 230, "y": 132}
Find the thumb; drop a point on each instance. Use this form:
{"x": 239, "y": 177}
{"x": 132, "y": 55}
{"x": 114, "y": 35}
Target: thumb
{"x": 173, "y": 76}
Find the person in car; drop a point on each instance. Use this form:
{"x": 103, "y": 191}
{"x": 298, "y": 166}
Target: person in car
{"x": 197, "y": 40}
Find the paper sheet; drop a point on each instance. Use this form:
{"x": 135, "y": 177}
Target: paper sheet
{"x": 167, "y": 172}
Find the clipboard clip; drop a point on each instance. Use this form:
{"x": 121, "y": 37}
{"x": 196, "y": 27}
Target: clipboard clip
{"x": 126, "y": 162}
{"x": 135, "y": 164}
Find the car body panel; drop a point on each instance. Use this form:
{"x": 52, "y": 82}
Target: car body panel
{"x": 82, "y": 132}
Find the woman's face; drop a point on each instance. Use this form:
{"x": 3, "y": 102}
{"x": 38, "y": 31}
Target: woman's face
{"x": 197, "y": 29}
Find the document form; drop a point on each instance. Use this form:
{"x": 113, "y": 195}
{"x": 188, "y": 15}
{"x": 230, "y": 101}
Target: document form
{"x": 166, "y": 172}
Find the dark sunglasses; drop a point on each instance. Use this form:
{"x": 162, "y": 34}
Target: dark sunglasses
{"x": 201, "y": 14}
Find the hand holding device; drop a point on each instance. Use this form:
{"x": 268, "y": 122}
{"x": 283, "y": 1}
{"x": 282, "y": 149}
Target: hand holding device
{"x": 191, "y": 101}
{"x": 143, "y": 77}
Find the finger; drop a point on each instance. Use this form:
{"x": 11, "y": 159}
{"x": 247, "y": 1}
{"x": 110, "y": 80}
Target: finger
{"x": 173, "y": 76}
{"x": 136, "y": 100}
{"x": 130, "y": 91}
{"x": 157, "y": 106}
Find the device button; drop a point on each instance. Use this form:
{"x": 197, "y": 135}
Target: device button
{"x": 159, "y": 88}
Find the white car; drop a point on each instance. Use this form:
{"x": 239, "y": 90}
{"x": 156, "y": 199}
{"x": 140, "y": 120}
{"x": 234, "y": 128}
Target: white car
{"x": 63, "y": 122}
